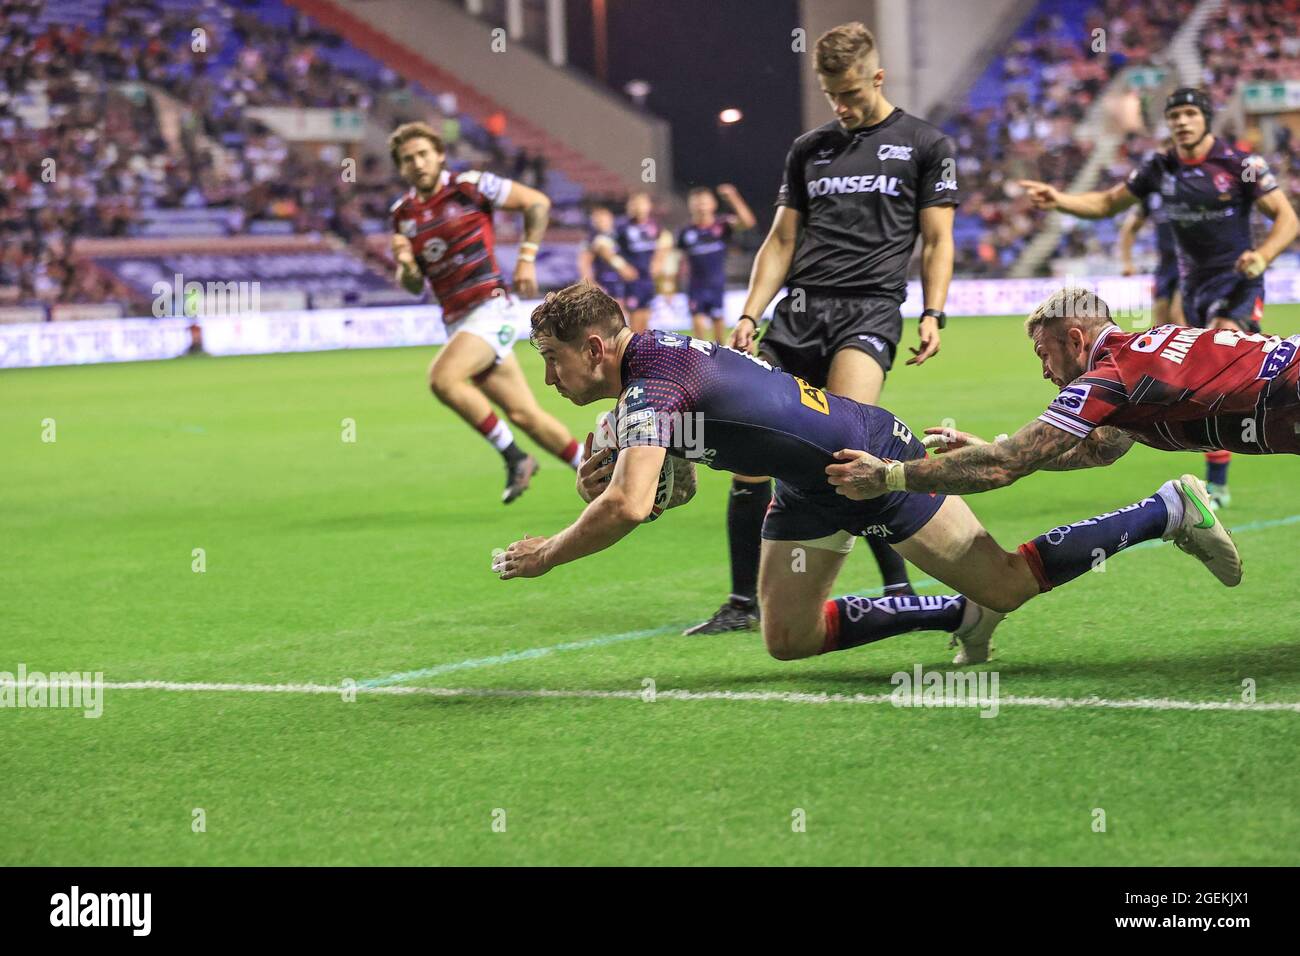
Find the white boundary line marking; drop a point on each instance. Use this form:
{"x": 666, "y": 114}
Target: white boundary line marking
{"x": 530, "y": 653}
{"x": 760, "y": 696}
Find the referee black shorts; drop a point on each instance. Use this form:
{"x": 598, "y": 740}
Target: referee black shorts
{"x": 804, "y": 342}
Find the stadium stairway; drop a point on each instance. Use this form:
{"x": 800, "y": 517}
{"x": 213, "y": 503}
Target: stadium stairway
{"x": 1105, "y": 143}
{"x": 593, "y": 177}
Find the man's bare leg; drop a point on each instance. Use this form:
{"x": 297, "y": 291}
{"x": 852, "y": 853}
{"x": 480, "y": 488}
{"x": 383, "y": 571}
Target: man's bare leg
{"x": 953, "y": 547}
{"x": 451, "y": 378}
{"x": 856, "y": 375}
{"x": 505, "y": 385}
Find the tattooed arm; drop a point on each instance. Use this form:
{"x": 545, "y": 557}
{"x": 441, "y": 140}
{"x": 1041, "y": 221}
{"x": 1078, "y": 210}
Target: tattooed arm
{"x": 683, "y": 482}
{"x": 1104, "y": 446}
{"x": 966, "y": 471}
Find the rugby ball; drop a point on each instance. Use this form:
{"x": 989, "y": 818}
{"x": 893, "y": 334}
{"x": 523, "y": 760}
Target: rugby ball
{"x": 604, "y": 443}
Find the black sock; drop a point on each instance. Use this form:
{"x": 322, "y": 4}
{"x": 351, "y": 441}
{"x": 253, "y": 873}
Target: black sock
{"x": 513, "y": 454}
{"x": 746, "y": 508}
{"x": 893, "y": 569}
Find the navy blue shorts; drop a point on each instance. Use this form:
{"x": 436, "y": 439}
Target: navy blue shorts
{"x": 638, "y": 294}
{"x": 1166, "y": 282}
{"x": 706, "y": 302}
{"x": 1224, "y": 295}
{"x": 612, "y": 285}
{"x": 806, "y": 514}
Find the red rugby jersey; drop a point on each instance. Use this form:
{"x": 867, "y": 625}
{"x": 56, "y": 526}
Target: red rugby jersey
{"x": 451, "y": 236}
{"x": 1178, "y": 388}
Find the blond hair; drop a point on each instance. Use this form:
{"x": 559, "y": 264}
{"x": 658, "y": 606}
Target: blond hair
{"x": 1071, "y": 305}
{"x": 842, "y": 48}
{"x": 410, "y": 131}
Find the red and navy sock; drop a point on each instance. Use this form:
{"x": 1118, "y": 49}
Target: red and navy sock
{"x": 1216, "y": 467}
{"x": 1064, "y": 553}
{"x": 746, "y": 509}
{"x": 852, "y": 621}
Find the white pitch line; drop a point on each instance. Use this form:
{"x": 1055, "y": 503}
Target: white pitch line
{"x": 760, "y": 696}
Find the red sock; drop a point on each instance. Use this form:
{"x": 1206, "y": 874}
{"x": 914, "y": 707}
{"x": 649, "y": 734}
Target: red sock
{"x": 831, "y": 615}
{"x": 572, "y": 454}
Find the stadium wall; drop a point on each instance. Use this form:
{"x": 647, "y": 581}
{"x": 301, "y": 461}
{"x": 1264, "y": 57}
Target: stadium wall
{"x": 33, "y": 344}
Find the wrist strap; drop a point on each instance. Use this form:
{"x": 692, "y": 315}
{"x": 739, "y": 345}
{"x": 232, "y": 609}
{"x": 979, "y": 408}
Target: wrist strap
{"x": 895, "y": 479}
{"x": 752, "y": 321}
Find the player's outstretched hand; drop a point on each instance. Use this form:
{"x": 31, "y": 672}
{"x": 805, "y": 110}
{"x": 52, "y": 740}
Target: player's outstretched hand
{"x": 1042, "y": 195}
{"x": 940, "y": 440}
{"x": 929, "y": 333}
{"x": 525, "y": 283}
{"x": 523, "y": 559}
{"x": 860, "y": 476}
{"x": 593, "y": 477}
{"x": 742, "y": 336}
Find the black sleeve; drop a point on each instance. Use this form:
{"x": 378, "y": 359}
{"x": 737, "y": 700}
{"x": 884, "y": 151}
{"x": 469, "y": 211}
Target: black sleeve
{"x": 794, "y": 190}
{"x": 937, "y": 185}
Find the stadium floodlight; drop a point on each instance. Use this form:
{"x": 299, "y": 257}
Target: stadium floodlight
{"x": 730, "y": 116}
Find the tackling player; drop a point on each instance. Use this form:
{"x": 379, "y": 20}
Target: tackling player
{"x": 642, "y": 243}
{"x": 704, "y": 246}
{"x": 442, "y": 235}
{"x": 854, "y": 196}
{"x": 1167, "y": 301}
{"x": 1207, "y": 191}
{"x": 1174, "y": 388}
{"x": 676, "y": 393}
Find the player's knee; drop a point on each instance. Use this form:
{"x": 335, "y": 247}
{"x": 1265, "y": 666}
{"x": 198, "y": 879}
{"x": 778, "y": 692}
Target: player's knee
{"x": 785, "y": 644}
{"x": 443, "y": 385}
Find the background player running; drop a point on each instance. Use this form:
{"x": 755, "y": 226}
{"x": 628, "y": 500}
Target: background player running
{"x": 704, "y": 243}
{"x": 643, "y": 243}
{"x": 1166, "y": 300}
{"x": 442, "y": 234}
{"x": 1207, "y": 190}
{"x": 753, "y": 417}
{"x": 1172, "y": 387}
{"x": 855, "y": 194}
{"x": 598, "y": 259}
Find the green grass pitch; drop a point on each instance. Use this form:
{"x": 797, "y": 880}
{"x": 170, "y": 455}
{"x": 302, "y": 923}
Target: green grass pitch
{"x": 329, "y": 560}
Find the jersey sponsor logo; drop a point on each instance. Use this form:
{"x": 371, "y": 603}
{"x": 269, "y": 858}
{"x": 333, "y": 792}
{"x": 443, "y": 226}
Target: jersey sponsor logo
{"x": 814, "y": 398}
{"x": 1152, "y": 340}
{"x": 634, "y": 393}
{"x": 875, "y": 340}
{"x": 842, "y": 185}
{"x": 1279, "y": 358}
{"x": 902, "y": 432}
{"x": 824, "y": 156}
{"x": 407, "y": 227}
{"x": 637, "y": 428}
{"x": 893, "y": 152}
{"x": 943, "y": 184}
{"x": 1180, "y": 345}
{"x": 434, "y": 250}
{"x": 1071, "y": 398}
